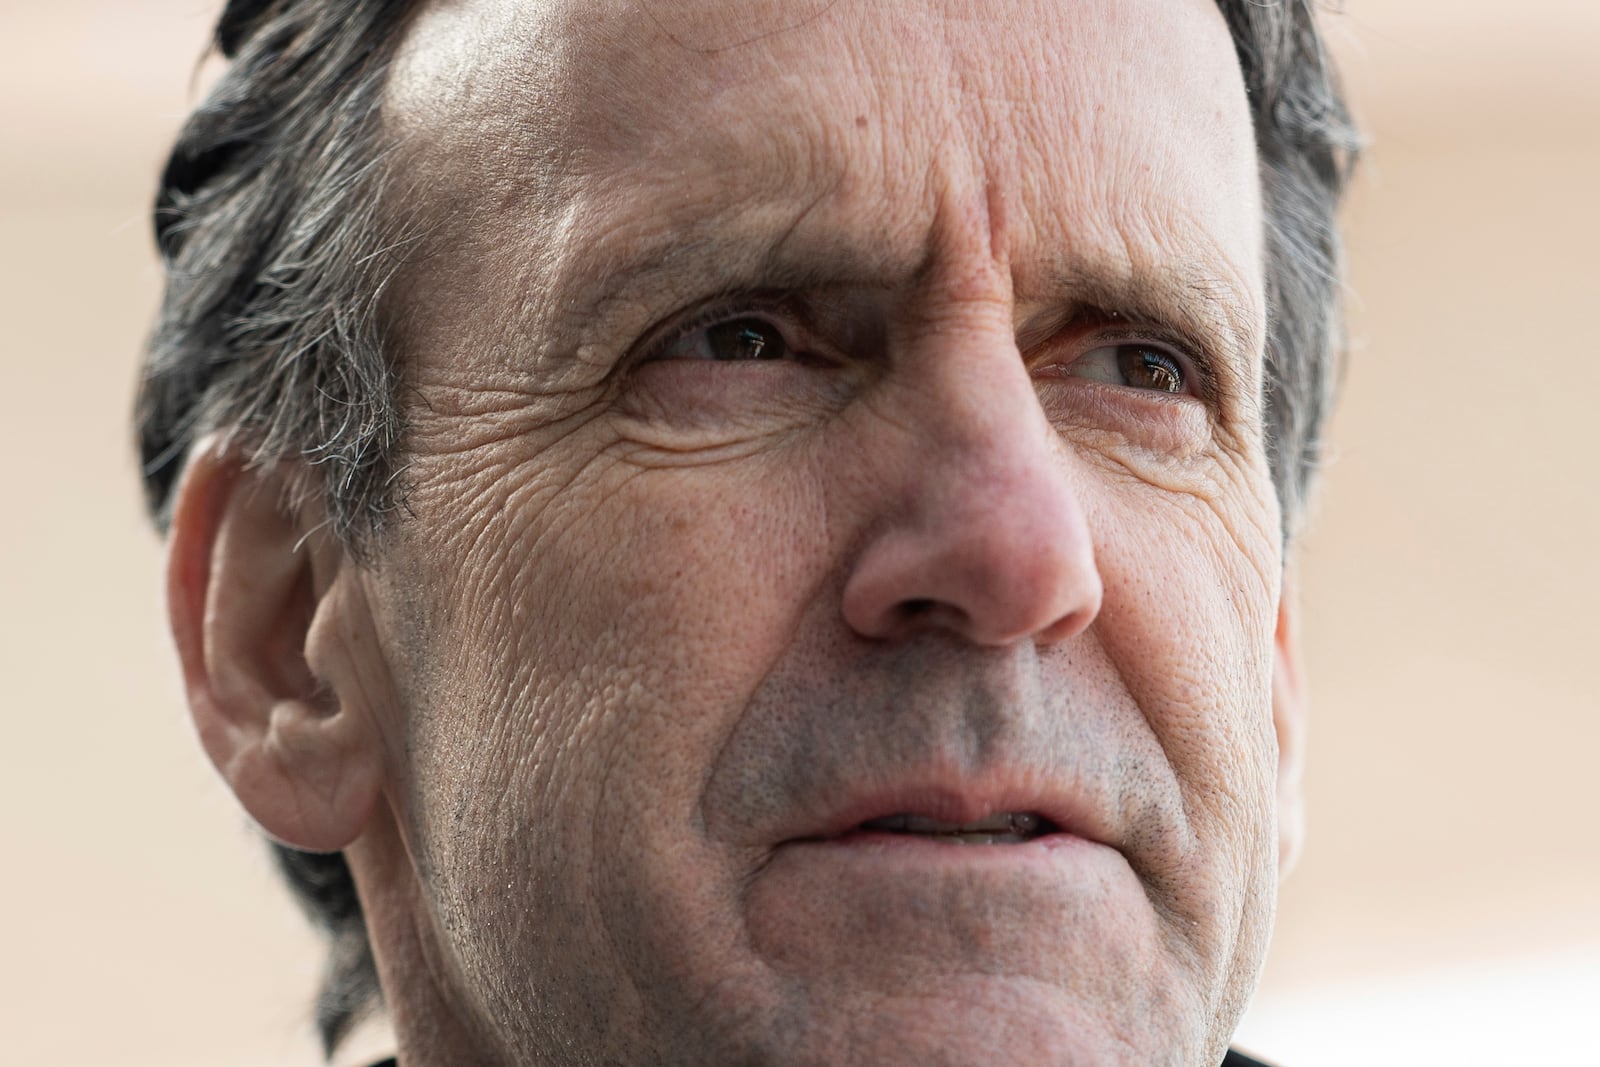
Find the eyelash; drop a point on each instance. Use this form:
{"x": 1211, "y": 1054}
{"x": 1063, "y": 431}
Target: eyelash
{"x": 781, "y": 309}
{"x": 1195, "y": 370}
{"x": 730, "y": 306}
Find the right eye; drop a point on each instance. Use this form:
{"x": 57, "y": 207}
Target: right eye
{"x": 1137, "y": 366}
{"x": 726, "y": 340}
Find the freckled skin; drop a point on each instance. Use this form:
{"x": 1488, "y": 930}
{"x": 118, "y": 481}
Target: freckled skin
{"x": 648, "y": 619}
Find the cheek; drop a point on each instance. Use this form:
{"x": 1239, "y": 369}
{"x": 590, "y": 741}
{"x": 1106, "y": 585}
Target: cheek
{"x": 594, "y": 632}
{"x": 1192, "y": 582}
{"x": 1188, "y": 622}
{"x": 580, "y": 640}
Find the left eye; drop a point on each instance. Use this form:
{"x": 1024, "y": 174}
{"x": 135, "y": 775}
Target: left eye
{"x": 1136, "y": 366}
{"x": 744, "y": 338}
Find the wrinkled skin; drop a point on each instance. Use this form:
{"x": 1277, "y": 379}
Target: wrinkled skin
{"x": 658, "y": 629}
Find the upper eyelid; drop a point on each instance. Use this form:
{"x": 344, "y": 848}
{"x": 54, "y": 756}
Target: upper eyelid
{"x": 790, "y": 309}
{"x": 719, "y": 309}
{"x": 1194, "y": 357}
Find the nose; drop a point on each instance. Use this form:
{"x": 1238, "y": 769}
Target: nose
{"x": 984, "y": 532}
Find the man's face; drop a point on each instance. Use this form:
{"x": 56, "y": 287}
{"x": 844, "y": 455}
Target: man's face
{"x": 825, "y": 413}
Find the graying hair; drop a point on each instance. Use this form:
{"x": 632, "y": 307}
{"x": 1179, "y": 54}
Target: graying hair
{"x": 268, "y": 221}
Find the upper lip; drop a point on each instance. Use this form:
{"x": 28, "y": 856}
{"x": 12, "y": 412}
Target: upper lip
{"x": 953, "y": 801}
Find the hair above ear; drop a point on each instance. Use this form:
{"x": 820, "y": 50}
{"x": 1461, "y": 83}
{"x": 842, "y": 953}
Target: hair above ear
{"x": 251, "y": 585}
{"x": 237, "y": 22}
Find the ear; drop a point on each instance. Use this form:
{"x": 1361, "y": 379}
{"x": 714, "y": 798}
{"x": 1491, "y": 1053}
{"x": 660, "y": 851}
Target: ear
{"x": 252, "y": 591}
{"x": 1290, "y": 712}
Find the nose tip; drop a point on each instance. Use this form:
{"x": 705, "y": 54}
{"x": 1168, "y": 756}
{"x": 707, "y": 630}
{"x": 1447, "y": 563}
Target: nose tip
{"x": 1005, "y": 560}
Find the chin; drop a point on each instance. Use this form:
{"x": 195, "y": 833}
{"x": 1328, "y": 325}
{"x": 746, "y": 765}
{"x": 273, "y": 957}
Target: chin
{"x": 976, "y": 1019}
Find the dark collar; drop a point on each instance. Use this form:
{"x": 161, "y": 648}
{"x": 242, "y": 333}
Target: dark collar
{"x": 1233, "y": 1059}
{"x": 1239, "y": 1059}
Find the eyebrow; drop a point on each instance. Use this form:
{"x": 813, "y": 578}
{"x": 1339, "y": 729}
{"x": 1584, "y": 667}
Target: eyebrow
{"x": 725, "y": 254}
{"x": 1183, "y": 295}
{"x": 1207, "y": 314}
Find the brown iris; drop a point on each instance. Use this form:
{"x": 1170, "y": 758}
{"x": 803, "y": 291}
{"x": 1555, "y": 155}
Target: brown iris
{"x": 1149, "y": 368}
{"x": 743, "y": 339}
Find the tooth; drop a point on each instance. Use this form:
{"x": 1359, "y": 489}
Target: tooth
{"x": 1023, "y": 822}
{"x": 980, "y": 839}
{"x": 1007, "y": 825}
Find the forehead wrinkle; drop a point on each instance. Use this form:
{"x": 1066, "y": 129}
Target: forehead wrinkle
{"x": 658, "y": 267}
{"x": 678, "y": 265}
{"x": 783, "y": 195}
{"x": 802, "y": 227}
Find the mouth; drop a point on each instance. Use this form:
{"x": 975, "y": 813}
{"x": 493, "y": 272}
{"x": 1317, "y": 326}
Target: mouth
{"x": 996, "y": 828}
{"x": 915, "y": 813}
{"x": 941, "y": 873}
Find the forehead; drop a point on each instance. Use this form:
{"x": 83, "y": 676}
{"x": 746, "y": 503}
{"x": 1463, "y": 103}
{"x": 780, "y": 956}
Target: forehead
{"x": 1113, "y": 131}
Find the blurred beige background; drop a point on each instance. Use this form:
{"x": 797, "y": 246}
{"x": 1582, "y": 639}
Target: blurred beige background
{"x": 1447, "y": 910}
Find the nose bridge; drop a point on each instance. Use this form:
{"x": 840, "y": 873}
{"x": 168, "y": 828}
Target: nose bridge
{"x": 972, "y": 392}
{"x": 987, "y": 439}
{"x": 989, "y": 537}
{"x": 997, "y": 492}
{"x": 993, "y": 405}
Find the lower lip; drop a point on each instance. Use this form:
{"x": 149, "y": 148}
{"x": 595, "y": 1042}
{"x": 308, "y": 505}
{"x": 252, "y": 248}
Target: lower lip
{"x": 933, "y": 848}
{"x": 869, "y": 903}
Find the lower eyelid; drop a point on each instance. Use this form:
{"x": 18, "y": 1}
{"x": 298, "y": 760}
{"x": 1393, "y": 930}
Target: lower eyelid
{"x": 1185, "y": 367}
{"x": 719, "y": 313}
{"x": 1172, "y": 424}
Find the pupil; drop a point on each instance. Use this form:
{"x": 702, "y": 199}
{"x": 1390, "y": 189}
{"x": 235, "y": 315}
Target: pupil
{"x": 745, "y": 339}
{"x": 1150, "y": 370}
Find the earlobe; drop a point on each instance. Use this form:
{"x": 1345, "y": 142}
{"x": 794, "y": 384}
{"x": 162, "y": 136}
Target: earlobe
{"x": 1289, "y": 717}
{"x": 249, "y": 585}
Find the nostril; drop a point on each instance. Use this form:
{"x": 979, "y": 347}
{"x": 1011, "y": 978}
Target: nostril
{"x": 916, "y": 613}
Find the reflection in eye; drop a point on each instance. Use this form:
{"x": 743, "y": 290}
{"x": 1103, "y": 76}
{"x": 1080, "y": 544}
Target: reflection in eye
{"x": 1135, "y": 365}
{"x": 746, "y": 338}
